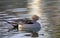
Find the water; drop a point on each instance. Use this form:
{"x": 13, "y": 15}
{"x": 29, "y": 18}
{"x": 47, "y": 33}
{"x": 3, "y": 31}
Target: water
{"x": 13, "y": 34}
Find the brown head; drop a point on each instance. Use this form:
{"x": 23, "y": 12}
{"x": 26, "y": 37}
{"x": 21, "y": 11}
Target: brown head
{"x": 35, "y": 17}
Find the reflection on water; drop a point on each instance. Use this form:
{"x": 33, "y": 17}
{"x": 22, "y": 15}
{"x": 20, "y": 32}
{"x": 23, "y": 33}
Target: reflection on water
{"x": 15, "y": 34}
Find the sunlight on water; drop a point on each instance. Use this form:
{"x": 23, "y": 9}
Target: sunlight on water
{"x": 35, "y": 8}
